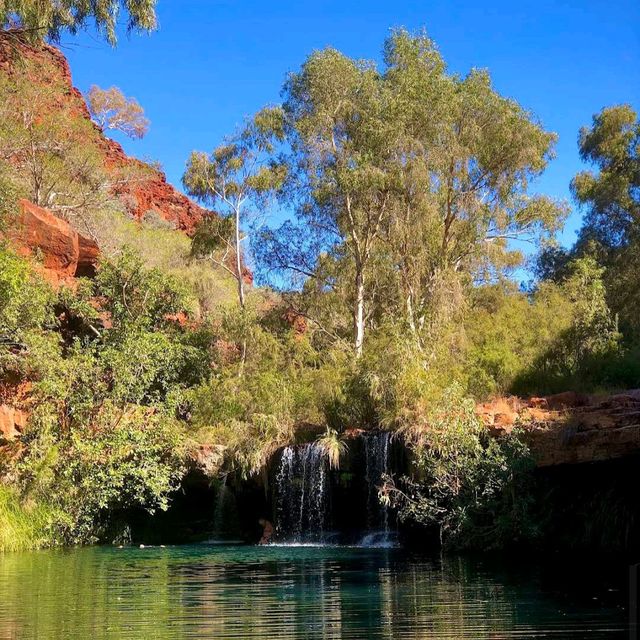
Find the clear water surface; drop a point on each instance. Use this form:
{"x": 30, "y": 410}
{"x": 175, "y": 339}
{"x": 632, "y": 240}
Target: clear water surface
{"x": 221, "y": 592}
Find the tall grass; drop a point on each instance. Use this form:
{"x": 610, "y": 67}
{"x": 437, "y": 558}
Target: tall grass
{"x": 24, "y": 526}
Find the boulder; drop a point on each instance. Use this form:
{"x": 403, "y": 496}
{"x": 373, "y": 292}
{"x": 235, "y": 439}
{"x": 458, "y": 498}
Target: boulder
{"x": 63, "y": 252}
{"x": 12, "y": 422}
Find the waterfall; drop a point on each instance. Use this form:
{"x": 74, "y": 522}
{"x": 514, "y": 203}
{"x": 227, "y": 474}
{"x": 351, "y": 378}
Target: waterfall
{"x": 226, "y": 525}
{"x": 376, "y": 451}
{"x": 219, "y": 509}
{"x": 301, "y": 494}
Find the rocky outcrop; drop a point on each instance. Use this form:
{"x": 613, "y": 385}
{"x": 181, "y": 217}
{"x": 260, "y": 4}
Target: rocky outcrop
{"x": 12, "y": 422}
{"x": 570, "y": 428}
{"x": 14, "y": 409}
{"x": 61, "y": 251}
{"x": 149, "y": 191}
{"x": 151, "y": 194}
{"x": 206, "y": 459}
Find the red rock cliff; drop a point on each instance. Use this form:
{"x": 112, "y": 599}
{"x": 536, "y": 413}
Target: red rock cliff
{"x": 63, "y": 252}
{"x": 151, "y": 192}
{"x": 570, "y": 428}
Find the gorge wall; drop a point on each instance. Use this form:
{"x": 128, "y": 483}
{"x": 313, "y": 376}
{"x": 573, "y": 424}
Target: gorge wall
{"x": 151, "y": 191}
{"x": 570, "y": 428}
{"x": 57, "y": 251}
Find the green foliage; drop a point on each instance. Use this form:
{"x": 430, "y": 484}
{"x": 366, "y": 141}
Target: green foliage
{"x": 585, "y": 335}
{"x": 25, "y": 526}
{"x": 9, "y": 194}
{"x": 612, "y": 144}
{"x": 409, "y": 181}
{"x": 37, "y": 19}
{"x": 137, "y": 295}
{"x": 332, "y": 447}
{"x": 238, "y": 176}
{"x": 610, "y": 199}
{"x": 506, "y": 330}
{"x": 560, "y": 336}
{"x": 159, "y": 248}
{"x": 211, "y": 236}
{"x": 25, "y": 300}
{"x": 392, "y": 384}
{"x": 125, "y": 458}
{"x": 252, "y": 403}
{"x": 468, "y": 484}
{"x": 103, "y": 436}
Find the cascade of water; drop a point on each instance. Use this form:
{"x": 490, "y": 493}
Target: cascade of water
{"x": 219, "y": 509}
{"x": 301, "y": 494}
{"x": 376, "y": 450}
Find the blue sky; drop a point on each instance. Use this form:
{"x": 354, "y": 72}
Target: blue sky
{"x": 212, "y": 62}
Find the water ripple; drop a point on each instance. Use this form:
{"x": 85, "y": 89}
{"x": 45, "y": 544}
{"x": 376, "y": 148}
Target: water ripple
{"x": 327, "y": 593}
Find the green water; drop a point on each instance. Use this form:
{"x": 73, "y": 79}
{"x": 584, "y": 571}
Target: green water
{"x": 250, "y": 592}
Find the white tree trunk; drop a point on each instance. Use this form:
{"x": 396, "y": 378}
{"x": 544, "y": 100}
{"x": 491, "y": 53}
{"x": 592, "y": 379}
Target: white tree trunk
{"x": 239, "y": 260}
{"x": 243, "y": 348}
{"x": 358, "y": 315}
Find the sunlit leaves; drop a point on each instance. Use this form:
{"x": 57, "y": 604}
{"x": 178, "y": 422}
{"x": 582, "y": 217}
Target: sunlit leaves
{"x": 50, "y": 18}
{"x": 111, "y": 109}
{"x": 612, "y": 196}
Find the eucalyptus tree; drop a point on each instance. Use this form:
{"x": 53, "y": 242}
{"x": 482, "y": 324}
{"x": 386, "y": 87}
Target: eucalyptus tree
{"x": 340, "y": 141}
{"x": 609, "y": 193}
{"x": 463, "y": 164}
{"x": 111, "y": 109}
{"x": 38, "y": 19}
{"x": 612, "y": 195}
{"x": 410, "y": 179}
{"x": 236, "y": 178}
{"x": 53, "y": 155}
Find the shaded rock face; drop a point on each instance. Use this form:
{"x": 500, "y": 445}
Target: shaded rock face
{"x": 570, "y": 428}
{"x": 63, "y": 252}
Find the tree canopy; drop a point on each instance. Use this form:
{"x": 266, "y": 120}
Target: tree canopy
{"x": 406, "y": 181}
{"x": 40, "y": 19}
{"x": 612, "y": 196}
{"x": 236, "y": 177}
{"x": 111, "y": 109}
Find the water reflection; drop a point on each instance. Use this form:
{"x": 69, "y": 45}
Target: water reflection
{"x": 327, "y": 593}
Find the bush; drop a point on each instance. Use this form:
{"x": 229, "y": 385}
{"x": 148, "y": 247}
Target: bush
{"x": 25, "y": 300}
{"x": 134, "y": 294}
{"x": 103, "y": 435}
{"x": 25, "y": 526}
{"x": 471, "y": 486}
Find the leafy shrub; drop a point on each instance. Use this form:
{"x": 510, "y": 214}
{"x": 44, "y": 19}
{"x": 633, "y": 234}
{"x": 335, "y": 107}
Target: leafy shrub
{"x": 467, "y": 484}
{"x": 25, "y": 526}
{"x": 25, "y": 300}
{"x": 103, "y": 437}
{"x": 136, "y": 294}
